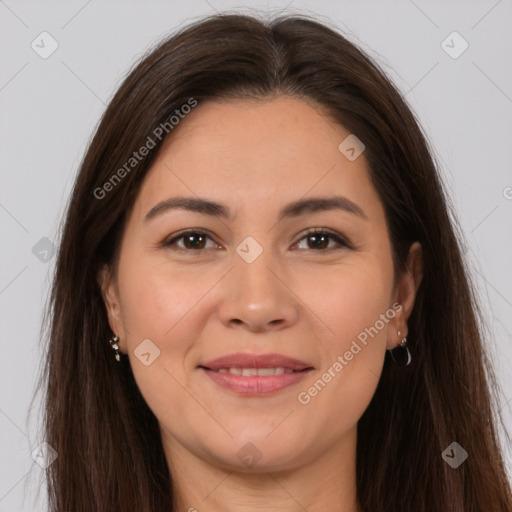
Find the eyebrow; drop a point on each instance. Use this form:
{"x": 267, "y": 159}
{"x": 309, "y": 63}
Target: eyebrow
{"x": 294, "y": 209}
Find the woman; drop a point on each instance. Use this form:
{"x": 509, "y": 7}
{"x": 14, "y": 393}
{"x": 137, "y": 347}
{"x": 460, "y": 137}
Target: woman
{"x": 260, "y": 301}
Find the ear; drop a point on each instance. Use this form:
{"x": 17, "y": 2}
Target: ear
{"x": 110, "y": 294}
{"x": 405, "y": 294}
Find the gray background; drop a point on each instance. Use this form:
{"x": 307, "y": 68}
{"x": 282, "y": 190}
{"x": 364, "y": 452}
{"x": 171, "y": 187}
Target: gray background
{"x": 49, "y": 108}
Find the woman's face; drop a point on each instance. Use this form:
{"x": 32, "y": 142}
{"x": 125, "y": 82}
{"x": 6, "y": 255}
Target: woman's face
{"x": 249, "y": 279}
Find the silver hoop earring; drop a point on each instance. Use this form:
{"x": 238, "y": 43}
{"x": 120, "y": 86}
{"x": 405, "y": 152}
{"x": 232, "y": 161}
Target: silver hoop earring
{"x": 403, "y": 358}
{"x": 115, "y": 346}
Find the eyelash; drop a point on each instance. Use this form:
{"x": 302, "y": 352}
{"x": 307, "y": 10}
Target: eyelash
{"x": 314, "y": 231}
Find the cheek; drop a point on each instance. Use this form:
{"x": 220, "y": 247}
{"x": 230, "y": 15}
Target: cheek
{"x": 155, "y": 297}
{"x": 162, "y": 304}
{"x": 348, "y": 300}
{"x": 155, "y": 305}
{"x": 356, "y": 317}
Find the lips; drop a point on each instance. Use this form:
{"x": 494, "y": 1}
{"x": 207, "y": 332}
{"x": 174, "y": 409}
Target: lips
{"x": 254, "y": 361}
{"x": 255, "y": 375}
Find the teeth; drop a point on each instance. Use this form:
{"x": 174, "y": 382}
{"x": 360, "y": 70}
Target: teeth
{"x": 268, "y": 371}
{"x": 252, "y": 372}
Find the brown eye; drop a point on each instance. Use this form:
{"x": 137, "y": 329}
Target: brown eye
{"x": 192, "y": 240}
{"x": 318, "y": 240}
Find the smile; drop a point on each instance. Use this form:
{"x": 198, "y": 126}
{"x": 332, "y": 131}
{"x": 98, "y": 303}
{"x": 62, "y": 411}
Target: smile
{"x": 251, "y": 372}
{"x": 255, "y": 381}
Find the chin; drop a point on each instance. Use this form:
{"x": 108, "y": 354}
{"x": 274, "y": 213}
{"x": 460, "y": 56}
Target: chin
{"x": 255, "y": 450}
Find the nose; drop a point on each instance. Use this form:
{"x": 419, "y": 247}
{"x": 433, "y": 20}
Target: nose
{"x": 256, "y": 296}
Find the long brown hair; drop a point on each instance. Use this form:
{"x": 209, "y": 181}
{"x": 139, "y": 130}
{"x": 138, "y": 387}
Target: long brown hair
{"x": 110, "y": 456}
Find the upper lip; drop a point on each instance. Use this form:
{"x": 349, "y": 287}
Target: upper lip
{"x": 244, "y": 360}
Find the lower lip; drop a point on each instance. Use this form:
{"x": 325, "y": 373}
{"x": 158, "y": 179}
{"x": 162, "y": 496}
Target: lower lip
{"x": 255, "y": 385}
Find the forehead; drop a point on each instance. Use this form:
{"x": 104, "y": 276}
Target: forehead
{"x": 256, "y": 151}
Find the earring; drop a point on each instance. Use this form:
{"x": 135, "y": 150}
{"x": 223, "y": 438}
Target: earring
{"x": 115, "y": 346}
{"x": 405, "y": 354}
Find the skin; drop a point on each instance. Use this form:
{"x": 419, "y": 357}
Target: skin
{"x": 294, "y": 299}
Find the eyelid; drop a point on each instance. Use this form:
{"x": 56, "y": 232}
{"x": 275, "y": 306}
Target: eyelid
{"x": 337, "y": 237}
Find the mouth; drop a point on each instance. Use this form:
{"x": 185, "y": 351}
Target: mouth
{"x": 255, "y": 375}
{"x": 256, "y": 372}
{"x": 250, "y": 362}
